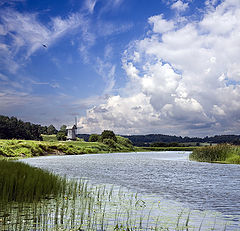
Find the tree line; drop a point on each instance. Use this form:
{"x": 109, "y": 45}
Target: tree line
{"x": 13, "y": 128}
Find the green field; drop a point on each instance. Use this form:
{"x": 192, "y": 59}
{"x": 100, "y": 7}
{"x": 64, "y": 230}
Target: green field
{"x": 50, "y": 146}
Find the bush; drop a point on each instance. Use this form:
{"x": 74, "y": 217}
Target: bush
{"x": 61, "y": 136}
{"x": 94, "y": 138}
{"x": 124, "y": 141}
{"x": 111, "y": 143}
{"x": 107, "y": 134}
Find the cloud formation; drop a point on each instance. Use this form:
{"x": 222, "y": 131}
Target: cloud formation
{"x": 182, "y": 80}
{"x": 27, "y": 34}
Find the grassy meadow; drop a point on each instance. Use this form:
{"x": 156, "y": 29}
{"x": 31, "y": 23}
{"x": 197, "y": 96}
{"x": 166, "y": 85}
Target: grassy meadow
{"x": 50, "y": 146}
{"x": 222, "y": 153}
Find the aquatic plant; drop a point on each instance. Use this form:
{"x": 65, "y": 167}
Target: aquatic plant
{"x": 23, "y": 183}
{"x": 223, "y": 153}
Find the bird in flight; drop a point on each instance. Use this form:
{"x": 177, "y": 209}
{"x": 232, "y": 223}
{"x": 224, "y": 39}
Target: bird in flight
{"x": 44, "y": 45}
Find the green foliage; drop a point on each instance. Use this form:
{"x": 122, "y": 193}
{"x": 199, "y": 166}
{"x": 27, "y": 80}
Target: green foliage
{"x": 146, "y": 140}
{"x": 51, "y": 130}
{"x": 12, "y": 128}
{"x": 49, "y": 138}
{"x": 20, "y": 182}
{"x": 94, "y": 138}
{"x": 124, "y": 141}
{"x": 61, "y": 136}
{"x": 220, "y": 153}
{"x": 110, "y": 142}
{"x": 163, "y": 144}
{"x": 107, "y": 134}
{"x": 63, "y": 129}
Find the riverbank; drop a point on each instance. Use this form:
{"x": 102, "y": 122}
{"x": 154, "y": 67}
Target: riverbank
{"x": 30, "y": 148}
{"x": 222, "y": 153}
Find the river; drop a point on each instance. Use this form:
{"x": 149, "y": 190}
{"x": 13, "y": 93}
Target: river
{"x": 166, "y": 176}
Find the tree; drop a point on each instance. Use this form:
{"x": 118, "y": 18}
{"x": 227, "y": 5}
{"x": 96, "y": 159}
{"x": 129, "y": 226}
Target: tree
{"x": 107, "y": 134}
{"x": 51, "y": 130}
{"x": 63, "y": 128}
{"x": 61, "y": 136}
{"x": 43, "y": 130}
{"x": 13, "y": 128}
{"x": 94, "y": 138}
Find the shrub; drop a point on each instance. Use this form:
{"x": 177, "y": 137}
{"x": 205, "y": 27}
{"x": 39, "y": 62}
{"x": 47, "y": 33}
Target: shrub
{"x": 94, "y": 138}
{"x": 111, "y": 143}
{"x": 61, "y": 136}
{"x": 107, "y": 134}
{"x": 124, "y": 141}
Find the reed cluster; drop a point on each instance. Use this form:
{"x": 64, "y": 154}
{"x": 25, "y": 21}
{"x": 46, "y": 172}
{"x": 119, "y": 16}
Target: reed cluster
{"x": 22, "y": 183}
{"x": 223, "y": 153}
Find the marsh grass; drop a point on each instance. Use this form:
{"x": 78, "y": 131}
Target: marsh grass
{"x": 33, "y": 199}
{"x": 222, "y": 153}
{"x": 23, "y": 183}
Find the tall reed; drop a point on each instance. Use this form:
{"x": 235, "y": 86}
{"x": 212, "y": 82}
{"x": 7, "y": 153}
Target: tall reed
{"x": 23, "y": 183}
{"x": 220, "y": 153}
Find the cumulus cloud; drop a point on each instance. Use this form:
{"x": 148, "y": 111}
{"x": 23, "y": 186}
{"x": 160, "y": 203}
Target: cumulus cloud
{"x": 181, "y": 80}
{"x": 160, "y": 25}
{"x": 179, "y": 5}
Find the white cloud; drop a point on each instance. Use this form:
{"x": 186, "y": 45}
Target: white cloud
{"x": 90, "y": 4}
{"x": 160, "y": 25}
{"x": 179, "y": 6}
{"x": 107, "y": 71}
{"x": 182, "y": 80}
{"x": 28, "y": 34}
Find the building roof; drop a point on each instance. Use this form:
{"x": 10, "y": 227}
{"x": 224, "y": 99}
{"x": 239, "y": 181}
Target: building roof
{"x": 70, "y": 127}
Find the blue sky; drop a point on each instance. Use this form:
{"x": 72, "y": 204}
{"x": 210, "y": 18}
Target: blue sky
{"x": 135, "y": 67}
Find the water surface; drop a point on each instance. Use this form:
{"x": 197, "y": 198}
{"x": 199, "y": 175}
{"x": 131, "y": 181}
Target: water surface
{"x": 166, "y": 175}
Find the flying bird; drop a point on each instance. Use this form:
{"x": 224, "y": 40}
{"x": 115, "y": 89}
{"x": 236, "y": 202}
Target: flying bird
{"x": 44, "y": 45}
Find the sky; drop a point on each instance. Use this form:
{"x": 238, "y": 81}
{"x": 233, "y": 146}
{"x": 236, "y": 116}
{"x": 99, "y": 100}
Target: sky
{"x": 134, "y": 67}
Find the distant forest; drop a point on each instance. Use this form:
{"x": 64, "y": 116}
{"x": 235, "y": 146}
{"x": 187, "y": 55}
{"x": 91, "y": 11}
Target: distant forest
{"x": 13, "y": 128}
{"x": 159, "y": 139}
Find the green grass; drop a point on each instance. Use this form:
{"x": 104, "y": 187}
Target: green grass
{"x": 222, "y": 153}
{"x": 49, "y": 138}
{"x": 22, "y": 183}
{"x": 29, "y": 148}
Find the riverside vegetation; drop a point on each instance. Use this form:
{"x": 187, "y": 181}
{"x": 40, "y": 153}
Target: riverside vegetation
{"x": 29, "y": 148}
{"x": 34, "y": 199}
{"x": 51, "y": 146}
{"x": 222, "y": 153}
